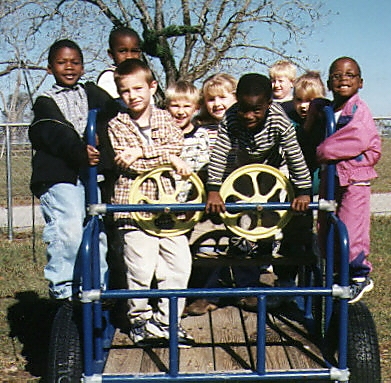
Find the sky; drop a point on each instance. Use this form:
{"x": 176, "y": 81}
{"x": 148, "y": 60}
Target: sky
{"x": 360, "y": 29}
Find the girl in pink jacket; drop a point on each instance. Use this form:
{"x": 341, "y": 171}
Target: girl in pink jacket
{"x": 355, "y": 147}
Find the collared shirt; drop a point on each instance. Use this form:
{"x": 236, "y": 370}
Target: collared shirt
{"x": 73, "y": 104}
{"x": 167, "y": 140}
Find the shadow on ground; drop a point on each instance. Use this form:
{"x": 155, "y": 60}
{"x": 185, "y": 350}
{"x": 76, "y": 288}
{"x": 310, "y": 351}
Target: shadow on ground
{"x": 30, "y": 321}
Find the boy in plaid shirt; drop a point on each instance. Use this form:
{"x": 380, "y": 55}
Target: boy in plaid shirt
{"x": 144, "y": 137}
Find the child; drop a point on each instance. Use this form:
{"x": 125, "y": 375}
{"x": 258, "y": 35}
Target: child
{"x": 308, "y": 87}
{"x": 263, "y": 134}
{"x": 218, "y": 94}
{"x": 283, "y": 74}
{"x": 124, "y": 43}
{"x": 61, "y": 158}
{"x": 144, "y": 137}
{"x": 355, "y": 147}
{"x": 182, "y": 100}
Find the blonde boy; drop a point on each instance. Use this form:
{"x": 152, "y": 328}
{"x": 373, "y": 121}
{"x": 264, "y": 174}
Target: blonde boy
{"x": 144, "y": 137}
{"x": 182, "y": 101}
{"x": 282, "y": 75}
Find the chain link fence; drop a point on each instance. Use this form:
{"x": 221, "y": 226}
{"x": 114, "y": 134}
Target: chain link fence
{"x": 19, "y": 210}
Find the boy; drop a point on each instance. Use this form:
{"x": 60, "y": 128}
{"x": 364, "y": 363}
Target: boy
{"x": 182, "y": 100}
{"x": 355, "y": 148}
{"x": 263, "y": 134}
{"x": 61, "y": 157}
{"x": 124, "y": 43}
{"x": 283, "y": 75}
{"x": 150, "y": 139}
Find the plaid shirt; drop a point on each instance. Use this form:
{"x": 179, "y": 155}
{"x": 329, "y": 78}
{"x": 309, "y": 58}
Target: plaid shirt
{"x": 167, "y": 140}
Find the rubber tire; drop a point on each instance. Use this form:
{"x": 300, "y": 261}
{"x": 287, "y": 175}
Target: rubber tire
{"x": 363, "y": 357}
{"x": 65, "y": 363}
{"x": 363, "y": 346}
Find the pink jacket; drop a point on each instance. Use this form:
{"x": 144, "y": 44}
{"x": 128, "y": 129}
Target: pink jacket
{"x": 356, "y": 147}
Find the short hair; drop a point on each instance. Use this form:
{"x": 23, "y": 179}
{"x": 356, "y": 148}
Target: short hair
{"x": 65, "y": 43}
{"x": 254, "y": 84}
{"x": 132, "y": 66}
{"x": 122, "y": 31}
{"x": 218, "y": 83}
{"x": 184, "y": 90}
{"x": 283, "y": 68}
{"x": 344, "y": 58}
{"x": 309, "y": 86}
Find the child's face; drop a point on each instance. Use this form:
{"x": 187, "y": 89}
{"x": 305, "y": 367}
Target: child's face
{"x": 216, "y": 105}
{"x": 344, "y": 80}
{"x": 183, "y": 111}
{"x": 301, "y": 105}
{"x": 136, "y": 92}
{"x": 252, "y": 110}
{"x": 125, "y": 47}
{"x": 282, "y": 87}
{"x": 66, "y": 67}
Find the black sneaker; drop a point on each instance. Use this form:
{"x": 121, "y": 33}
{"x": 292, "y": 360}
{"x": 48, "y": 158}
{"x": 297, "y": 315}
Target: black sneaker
{"x": 358, "y": 287}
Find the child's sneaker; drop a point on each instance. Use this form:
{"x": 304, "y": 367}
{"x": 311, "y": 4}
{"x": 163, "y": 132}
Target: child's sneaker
{"x": 137, "y": 332}
{"x": 185, "y": 340}
{"x": 358, "y": 287}
{"x": 159, "y": 330}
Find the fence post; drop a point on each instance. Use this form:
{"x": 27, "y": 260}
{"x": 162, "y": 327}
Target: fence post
{"x": 9, "y": 182}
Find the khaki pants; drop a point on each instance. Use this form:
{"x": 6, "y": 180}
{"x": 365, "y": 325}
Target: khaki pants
{"x": 146, "y": 256}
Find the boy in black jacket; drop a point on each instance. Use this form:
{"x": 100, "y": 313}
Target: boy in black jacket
{"x": 61, "y": 158}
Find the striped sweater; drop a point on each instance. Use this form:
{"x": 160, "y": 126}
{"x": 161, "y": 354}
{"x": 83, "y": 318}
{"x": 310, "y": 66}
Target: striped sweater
{"x": 274, "y": 144}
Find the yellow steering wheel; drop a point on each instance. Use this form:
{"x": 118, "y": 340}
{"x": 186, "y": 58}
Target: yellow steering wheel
{"x": 256, "y": 183}
{"x": 170, "y": 189}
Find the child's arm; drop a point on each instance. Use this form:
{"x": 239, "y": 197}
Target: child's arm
{"x": 351, "y": 141}
{"x": 139, "y": 157}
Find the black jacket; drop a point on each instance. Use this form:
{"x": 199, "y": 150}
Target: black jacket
{"x": 60, "y": 153}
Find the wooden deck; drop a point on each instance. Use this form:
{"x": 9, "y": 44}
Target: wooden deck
{"x": 225, "y": 341}
{"x": 225, "y": 338}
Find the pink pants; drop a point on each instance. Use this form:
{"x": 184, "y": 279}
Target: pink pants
{"x": 354, "y": 211}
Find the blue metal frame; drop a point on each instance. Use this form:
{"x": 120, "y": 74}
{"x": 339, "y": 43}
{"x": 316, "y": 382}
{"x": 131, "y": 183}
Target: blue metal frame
{"x": 97, "y": 331}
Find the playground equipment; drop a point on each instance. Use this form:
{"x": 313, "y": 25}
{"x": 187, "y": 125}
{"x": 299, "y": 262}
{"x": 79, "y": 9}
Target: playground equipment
{"x": 82, "y": 331}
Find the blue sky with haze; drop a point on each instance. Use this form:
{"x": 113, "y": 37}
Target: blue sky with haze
{"x": 360, "y": 29}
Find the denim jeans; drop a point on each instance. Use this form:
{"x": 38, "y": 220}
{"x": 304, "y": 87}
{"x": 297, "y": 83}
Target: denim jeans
{"x": 64, "y": 211}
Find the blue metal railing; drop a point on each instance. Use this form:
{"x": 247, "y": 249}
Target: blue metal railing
{"x": 97, "y": 338}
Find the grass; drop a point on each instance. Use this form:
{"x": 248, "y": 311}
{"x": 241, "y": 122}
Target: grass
{"x": 21, "y": 171}
{"x": 26, "y": 312}
{"x": 383, "y": 183}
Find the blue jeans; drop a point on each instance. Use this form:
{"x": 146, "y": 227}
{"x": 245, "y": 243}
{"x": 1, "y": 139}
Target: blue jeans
{"x": 64, "y": 211}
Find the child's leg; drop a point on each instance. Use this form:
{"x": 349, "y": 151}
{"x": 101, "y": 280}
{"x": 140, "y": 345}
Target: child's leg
{"x": 354, "y": 211}
{"x": 141, "y": 253}
{"x": 63, "y": 208}
{"x": 173, "y": 271}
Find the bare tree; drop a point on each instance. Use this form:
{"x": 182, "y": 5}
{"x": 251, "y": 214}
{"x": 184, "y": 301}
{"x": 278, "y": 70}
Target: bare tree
{"x": 181, "y": 38}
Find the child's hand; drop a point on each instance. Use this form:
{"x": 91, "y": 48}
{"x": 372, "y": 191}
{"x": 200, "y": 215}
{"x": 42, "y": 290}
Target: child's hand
{"x": 128, "y": 156}
{"x": 214, "y": 203}
{"x": 301, "y": 203}
{"x": 181, "y": 167}
{"x": 93, "y": 155}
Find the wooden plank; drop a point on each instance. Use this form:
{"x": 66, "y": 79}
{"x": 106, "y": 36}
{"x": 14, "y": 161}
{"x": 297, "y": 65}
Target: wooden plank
{"x": 229, "y": 341}
{"x": 225, "y": 341}
{"x": 123, "y": 356}
{"x": 199, "y": 358}
{"x": 301, "y": 351}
